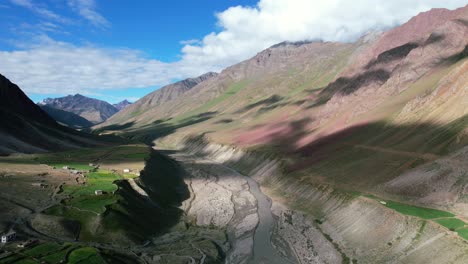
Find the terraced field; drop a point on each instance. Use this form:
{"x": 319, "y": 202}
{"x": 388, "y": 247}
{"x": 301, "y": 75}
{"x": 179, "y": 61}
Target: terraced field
{"x": 50, "y": 252}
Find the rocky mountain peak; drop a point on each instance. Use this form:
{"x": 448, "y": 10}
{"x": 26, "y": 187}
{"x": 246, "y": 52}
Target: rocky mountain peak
{"x": 121, "y": 105}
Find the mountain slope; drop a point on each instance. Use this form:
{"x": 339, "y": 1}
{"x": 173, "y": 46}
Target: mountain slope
{"x": 66, "y": 118}
{"x": 361, "y": 141}
{"x": 93, "y": 110}
{"x": 166, "y": 94}
{"x": 325, "y": 87}
{"x": 27, "y": 128}
{"x": 281, "y": 72}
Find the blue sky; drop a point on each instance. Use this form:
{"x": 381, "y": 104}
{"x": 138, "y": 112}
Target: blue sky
{"x": 155, "y": 28}
{"x": 113, "y": 50}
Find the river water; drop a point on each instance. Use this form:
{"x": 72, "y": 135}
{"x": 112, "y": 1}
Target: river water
{"x": 264, "y": 252}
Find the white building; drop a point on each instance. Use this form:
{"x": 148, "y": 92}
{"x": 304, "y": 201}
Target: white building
{"x": 126, "y": 170}
{"x": 39, "y": 184}
{"x": 8, "y": 237}
{"x": 98, "y": 192}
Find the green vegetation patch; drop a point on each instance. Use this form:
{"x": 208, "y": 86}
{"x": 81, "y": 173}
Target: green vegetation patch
{"x": 138, "y": 156}
{"x": 79, "y": 159}
{"x": 77, "y": 166}
{"x": 59, "y": 256}
{"x": 426, "y": 213}
{"x": 93, "y": 203}
{"x": 43, "y": 249}
{"x": 232, "y": 90}
{"x": 86, "y": 255}
{"x": 130, "y": 153}
{"x": 11, "y": 259}
{"x": 463, "y": 232}
{"x": 85, "y": 218}
{"x": 451, "y": 223}
{"x": 26, "y": 261}
{"x": 100, "y": 180}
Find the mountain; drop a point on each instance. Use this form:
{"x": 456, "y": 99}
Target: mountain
{"x": 322, "y": 81}
{"x": 122, "y": 105}
{"x": 66, "y": 118}
{"x": 141, "y": 108}
{"x": 93, "y": 110}
{"x": 25, "y": 127}
{"x": 365, "y": 139}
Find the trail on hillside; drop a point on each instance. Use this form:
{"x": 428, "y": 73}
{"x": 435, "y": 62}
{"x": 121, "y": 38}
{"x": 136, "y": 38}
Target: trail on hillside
{"x": 425, "y": 156}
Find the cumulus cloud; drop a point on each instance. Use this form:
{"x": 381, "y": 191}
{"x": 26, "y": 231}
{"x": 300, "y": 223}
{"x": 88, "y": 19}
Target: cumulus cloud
{"x": 55, "y": 67}
{"x": 247, "y": 30}
{"x": 87, "y": 9}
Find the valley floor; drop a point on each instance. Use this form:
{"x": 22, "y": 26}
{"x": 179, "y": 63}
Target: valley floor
{"x": 223, "y": 197}
{"x": 225, "y": 216}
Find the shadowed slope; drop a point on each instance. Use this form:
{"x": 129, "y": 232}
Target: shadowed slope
{"x": 27, "y": 128}
{"x": 66, "y": 118}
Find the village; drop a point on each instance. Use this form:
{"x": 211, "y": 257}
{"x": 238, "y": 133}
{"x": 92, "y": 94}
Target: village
{"x": 46, "y": 186}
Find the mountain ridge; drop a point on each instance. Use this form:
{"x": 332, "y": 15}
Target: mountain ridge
{"x": 93, "y": 110}
{"x": 122, "y": 104}
{"x": 26, "y": 128}
{"x": 66, "y": 118}
{"x": 165, "y": 94}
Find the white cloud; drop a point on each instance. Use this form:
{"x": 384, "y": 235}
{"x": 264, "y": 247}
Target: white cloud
{"x": 55, "y": 67}
{"x": 190, "y": 42}
{"x": 87, "y": 9}
{"x": 41, "y": 11}
{"x": 247, "y": 30}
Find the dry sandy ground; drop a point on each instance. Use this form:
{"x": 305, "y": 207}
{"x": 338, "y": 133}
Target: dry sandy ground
{"x": 19, "y": 197}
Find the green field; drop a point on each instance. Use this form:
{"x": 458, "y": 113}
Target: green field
{"x": 92, "y": 203}
{"x": 55, "y": 253}
{"x": 100, "y": 180}
{"x": 138, "y": 156}
{"x": 43, "y": 249}
{"x": 85, "y": 218}
{"x": 463, "y": 232}
{"x": 26, "y": 261}
{"x": 86, "y": 255}
{"x": 447, "y": 219}
{"x": 451, "y": 223}
{"x": 77, "y": 166}
{"x": 79, "y": 159}
{"x": 83, "y": 205}
{"x": 426, "y": 213}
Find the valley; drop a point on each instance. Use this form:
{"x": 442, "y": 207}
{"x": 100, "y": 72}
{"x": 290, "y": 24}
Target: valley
{"x": 309, "y": 152}
{"x": 226, "y": 215}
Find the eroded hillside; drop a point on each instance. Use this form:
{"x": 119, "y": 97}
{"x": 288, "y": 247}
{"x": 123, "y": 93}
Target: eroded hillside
{"x": 361, "y": 146}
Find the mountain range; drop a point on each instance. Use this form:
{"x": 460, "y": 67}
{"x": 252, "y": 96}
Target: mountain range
{"x": 66, "y": 118}
{"x": 142, "y": 109}
{"x": 121, "y": 105}
{"x": 324, "y": 86}
{"x": 362, "y": 147}
{"x": 93, "y": 110}
{"x": 354, "y": 116}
